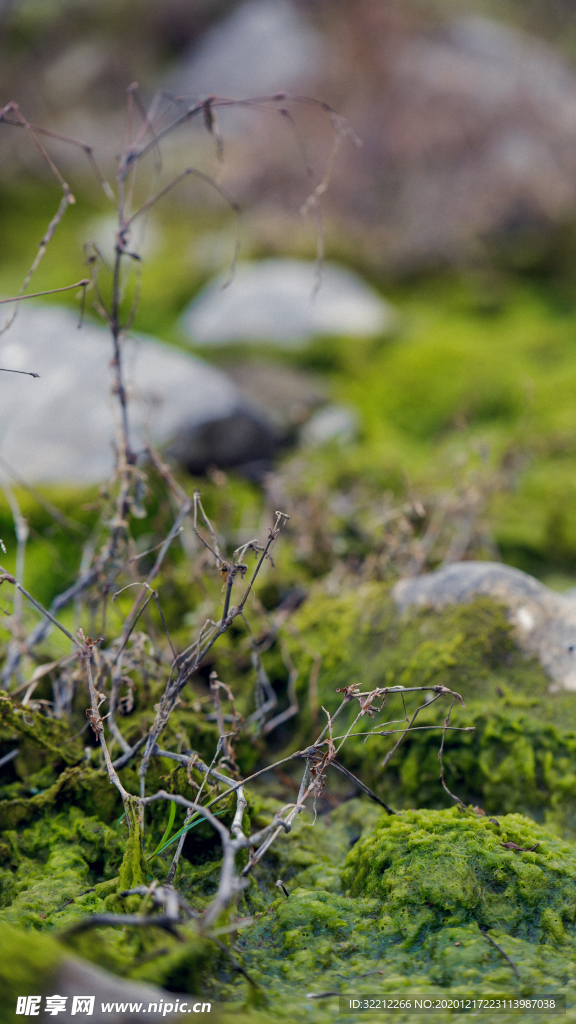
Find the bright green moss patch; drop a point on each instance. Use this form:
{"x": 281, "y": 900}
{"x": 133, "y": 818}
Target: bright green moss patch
{"x": 417, "y": 891}
{"x": 456, "y": 866}
{"x": 363, "y": 639}
{"x": 456, "y": 380}
{"x": 48, "y": 865}
{"x": 387, "y": 904}
{"x": 511, "y": 762}
{"x": 411, "y": 889}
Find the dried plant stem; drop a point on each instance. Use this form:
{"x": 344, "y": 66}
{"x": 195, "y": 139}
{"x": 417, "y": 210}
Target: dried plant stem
{"x": 500, "y": 950}
{"x": 97, "y": 723}
{"x": 50, "y": 291}
{"x": 187, "y": 667}
{"x": 22, "y": 532}
{"x": 441, "y": 751}
{"x": 6, "y": 577}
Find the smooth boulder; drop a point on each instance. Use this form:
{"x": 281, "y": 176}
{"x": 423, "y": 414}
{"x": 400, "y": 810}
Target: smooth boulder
{"x": 283, "y": 301}
{"x": 61, "y": 427}
{"x": 334, "y": 423}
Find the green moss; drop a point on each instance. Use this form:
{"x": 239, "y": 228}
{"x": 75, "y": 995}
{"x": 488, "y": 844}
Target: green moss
{"x": 46, "y": 868}
{"x": 28, "y": 963}
{"x": 133, "y": 869}
{"x": 363, "y": 639}
{"x": 37, "y": 732}
{"x": 456, "y": 865}
{"x": 183, "y": 968}
{"x": 398, "y": 912}
{"x": 454, "y": 382}
{"x": 312, "y": 854}
{"x": 417, "y": 891}
{"x": 85, "y": 787}
{"x": 62, "y": 857}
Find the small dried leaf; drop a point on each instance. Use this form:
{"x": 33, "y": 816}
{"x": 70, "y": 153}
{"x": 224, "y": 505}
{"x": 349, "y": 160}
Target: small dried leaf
{"x": 521, "y": 849}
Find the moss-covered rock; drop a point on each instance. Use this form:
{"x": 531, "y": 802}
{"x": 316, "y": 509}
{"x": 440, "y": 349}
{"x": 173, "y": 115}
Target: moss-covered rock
{"x": 363, "y": 639}
{"x": 417, "y": 892}
{"x": 520, "y": 754}
{"x": 432, "y": 867}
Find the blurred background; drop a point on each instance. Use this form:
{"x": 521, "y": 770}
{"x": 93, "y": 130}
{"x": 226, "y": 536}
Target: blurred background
{"x": 427, "y": 356}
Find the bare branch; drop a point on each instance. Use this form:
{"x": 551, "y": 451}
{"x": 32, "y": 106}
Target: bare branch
{"x": 7, "y": 577}
{"x": 51, "y": 291}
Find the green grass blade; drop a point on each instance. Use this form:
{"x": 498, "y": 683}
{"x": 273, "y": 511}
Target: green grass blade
{"x": 167, "y": 830}
{"x": 119, "y": 822}
{"x": 195, "y": 820}
{"x": 185, "y": 828}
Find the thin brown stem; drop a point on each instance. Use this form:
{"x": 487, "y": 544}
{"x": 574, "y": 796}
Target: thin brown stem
{"x": 51, "y": 291}
{"x": 500, "y": 950}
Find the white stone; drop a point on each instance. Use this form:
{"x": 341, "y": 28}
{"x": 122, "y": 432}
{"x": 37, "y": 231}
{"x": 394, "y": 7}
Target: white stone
{"x": 525, "y": 619}
{"x": 334, "y": 423}
{"x": 262, "y": 47}
{"x": 61, "y": 427}
{"x": 277, "y": 300}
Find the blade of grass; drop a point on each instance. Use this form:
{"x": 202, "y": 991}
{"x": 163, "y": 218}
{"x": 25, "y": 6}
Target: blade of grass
{"x": 167, "y": 830}
{"x": 196, "y": 820}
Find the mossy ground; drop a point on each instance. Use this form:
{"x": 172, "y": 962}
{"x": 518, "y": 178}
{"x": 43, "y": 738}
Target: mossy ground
{"x": 390, "y": 905}
{"x": 404, "y": 911}
{"x": 65, "y": 853}
{"x": 487, "y": 386}
{"x": 481, "y": 369}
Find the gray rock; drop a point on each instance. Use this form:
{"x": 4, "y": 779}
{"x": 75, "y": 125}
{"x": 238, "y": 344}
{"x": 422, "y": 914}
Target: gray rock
{"x": 262, "y": 47}
{"x": 243, "y": 441}
{"x": 544, "y": 621}
{"x": 288, "y": 397}
{"x": 61, "y": 427}
{"x": 78, "y": 978}
{"x": 274, "y": 301}
{"x": 334, "y": 423}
